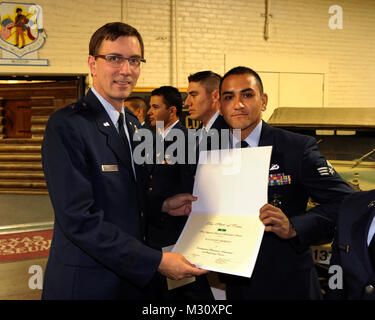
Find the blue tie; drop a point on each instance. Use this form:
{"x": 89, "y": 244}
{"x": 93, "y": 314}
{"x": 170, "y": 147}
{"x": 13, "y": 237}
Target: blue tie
{"x": 122, "y": 133}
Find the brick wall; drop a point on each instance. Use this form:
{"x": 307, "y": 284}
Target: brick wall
{"x": 185, "y": 36}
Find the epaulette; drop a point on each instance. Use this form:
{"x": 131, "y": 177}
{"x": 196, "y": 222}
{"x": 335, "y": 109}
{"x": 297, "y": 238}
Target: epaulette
{"x": 79, "y": 105}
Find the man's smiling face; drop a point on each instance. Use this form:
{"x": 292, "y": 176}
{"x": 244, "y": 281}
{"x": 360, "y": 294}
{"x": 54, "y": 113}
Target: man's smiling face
{"x": 115, "y": 84}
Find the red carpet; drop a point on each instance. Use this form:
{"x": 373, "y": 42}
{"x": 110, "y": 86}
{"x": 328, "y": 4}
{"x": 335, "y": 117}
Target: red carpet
{"x": 25, "y": 245}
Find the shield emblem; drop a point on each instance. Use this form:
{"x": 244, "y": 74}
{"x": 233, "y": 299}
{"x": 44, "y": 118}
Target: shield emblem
{"x": 21, "y": 29}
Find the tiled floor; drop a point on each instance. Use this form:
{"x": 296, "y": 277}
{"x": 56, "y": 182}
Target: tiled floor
{"x": 19, "y": 209}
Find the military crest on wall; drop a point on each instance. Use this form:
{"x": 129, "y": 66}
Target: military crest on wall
{"x": 21, "y": 33}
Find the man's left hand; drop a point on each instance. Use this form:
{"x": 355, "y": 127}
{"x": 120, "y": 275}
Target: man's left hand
{"x": 276, "y": 221}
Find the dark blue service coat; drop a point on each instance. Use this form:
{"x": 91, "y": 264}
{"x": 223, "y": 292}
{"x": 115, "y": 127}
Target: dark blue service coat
{"x": 98, "y": 249}
{"x": 350, "y": 250}
{"x": 284, "y": 268}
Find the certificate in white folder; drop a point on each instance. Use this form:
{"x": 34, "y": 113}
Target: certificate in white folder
{"x": 223, "y": 232}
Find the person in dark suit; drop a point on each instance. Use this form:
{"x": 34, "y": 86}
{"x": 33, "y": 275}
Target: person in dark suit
{"x": 353, "y": 249}
{"x": 170, "y": 174}
{"x": 203, "y": 104}
{"x": 284, "y": 267}
{"x": 98, "y": 248}
{"x": 138, "y": 106}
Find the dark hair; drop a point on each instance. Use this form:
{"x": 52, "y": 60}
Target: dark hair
{"x": 210, "y": 80}
{"x": 243, "y": 70}
{"x": 111, "y": 31}
{"x": 171, "y": 97}
{"x": 18, "y": 10}
{"x": 138, "y": 102}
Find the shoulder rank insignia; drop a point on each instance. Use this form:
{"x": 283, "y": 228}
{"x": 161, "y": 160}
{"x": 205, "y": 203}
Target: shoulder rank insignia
{"x": 78, "y": 105}
{"x": 326, "y": 171}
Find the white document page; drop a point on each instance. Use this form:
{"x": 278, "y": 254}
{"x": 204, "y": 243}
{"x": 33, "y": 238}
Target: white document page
{"x": 223, "y": 232}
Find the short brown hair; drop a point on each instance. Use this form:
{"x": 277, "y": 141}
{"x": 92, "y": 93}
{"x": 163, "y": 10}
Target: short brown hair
{"x": 111, "y": 31}
{"x": 210, "y": 80}
{"x": 136, "y": 103}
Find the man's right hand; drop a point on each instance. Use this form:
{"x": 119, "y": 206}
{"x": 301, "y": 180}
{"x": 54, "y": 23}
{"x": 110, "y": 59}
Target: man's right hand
{"x": 176, "y": 267}
{"x": 179, "y": 204}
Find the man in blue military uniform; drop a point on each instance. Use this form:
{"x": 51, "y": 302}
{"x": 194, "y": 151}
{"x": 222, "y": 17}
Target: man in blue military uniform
{"x": 353, "y": 249}
{"x": 170, "y": 174}
{"x": 284, "y": 267}
{"x": 203, "y": 104}
{"x": 98, "y": 248}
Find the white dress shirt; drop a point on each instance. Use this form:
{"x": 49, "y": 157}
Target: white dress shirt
{"x": 371, "y": 231}
{"x": 209, "y": 125}
{"x": 166, "y": 131}
{"x": 252, "y": 139}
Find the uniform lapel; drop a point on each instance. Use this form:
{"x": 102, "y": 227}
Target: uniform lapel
{"x": 266, "y": 136}
{"x": 167, "y": 142}
{"x": 132, "y": 128}
{"x": 106, "y": 127}
{"x": 219, "y": 124}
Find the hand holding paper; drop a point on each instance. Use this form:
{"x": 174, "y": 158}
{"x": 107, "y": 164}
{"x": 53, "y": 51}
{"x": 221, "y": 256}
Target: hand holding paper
{"x": 224, "y": 232}
{"x": 276, "y": 221}
{"x": 178, "y": 205}
{"x": 176, "y": 267}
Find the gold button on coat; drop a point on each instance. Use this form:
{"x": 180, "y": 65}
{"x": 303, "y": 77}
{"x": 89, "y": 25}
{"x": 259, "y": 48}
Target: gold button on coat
{"x": 369, "y": 289}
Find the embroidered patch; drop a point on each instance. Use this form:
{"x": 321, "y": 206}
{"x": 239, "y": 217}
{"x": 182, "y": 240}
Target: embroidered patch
{"x": 326, "y": 171}
{"x": 279, "y": 179}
